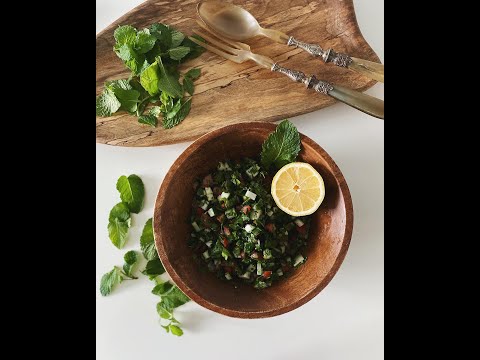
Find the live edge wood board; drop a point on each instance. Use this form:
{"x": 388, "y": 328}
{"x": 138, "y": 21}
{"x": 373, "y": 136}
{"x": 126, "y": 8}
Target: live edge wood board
{"x": 229, "y": 93}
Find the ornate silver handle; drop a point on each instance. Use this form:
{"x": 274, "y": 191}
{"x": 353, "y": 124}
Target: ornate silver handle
{"x": 327, "y": 56}
{"x": 363, "y": 102}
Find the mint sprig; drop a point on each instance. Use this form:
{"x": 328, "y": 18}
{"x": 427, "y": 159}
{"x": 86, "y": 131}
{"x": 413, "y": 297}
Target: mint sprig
{"x": 153, "y": 55}
{"x": 282, "y": 146}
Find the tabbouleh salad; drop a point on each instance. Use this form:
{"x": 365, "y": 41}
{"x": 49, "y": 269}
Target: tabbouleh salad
{"x": 238, "y": 232}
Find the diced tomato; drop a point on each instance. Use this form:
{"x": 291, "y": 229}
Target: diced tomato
{"x": 225, "y": 241}
{"x": 254, "y": 255}
{"x": 220, "y": 218}
{"x": 270, "y": 227}
{"x": 246, "y": 209}
{"x": 226, "y": 230}
{"x": 242, "y": 254}
{"x": 267, "y": 274}
{"x": 205, "y": 219}
{"x": 301, "y": 229}
{"x": 199, "y": 211}
{"x": 286, "y": 268}
{"x": 223, "y": 206}
{"x": 207, "y": 181}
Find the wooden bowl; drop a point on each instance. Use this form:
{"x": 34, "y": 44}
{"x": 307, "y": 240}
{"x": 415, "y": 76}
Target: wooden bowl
{"x": 328, "y": 242}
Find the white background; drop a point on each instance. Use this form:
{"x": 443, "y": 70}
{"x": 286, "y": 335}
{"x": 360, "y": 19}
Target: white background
{"x": 345, "y": 321}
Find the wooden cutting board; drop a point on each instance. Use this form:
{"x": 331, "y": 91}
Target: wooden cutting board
{"x": 229, "y": 93}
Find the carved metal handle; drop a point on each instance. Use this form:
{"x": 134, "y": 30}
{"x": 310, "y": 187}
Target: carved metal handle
{"x": 310, "y": 82}
{"x": 363, "y": 102}
{"x": 327, "y": 56}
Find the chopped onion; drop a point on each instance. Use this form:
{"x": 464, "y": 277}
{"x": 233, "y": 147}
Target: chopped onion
{"x": 209, "y": 243}
{"x": 228, "y": 276}
{"x": 299, "y": 222}
{"x": 206, "y": 255}
{"x": 251, "y": 195}
{"x": 209, "y": 193}
{"x": 249, "y": 228}
{"x": 211, "y": 212}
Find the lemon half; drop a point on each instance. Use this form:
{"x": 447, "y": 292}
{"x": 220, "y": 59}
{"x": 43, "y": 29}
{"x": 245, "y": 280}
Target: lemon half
{"x": 298, "y": 189}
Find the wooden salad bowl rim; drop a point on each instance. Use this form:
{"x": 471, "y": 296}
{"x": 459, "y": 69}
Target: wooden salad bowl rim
{"x": 170, "y": 177}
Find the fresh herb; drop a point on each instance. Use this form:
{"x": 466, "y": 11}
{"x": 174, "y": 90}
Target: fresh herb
{"x": 130, "y": 260}
{"x": 112, "y": 279}
{"x": 131, "y": 191}
{"x": 147, "y": 243}
{"x": 154, "y": 267}
{"x": 153, "y": 55}
{"x": 171, "y": 298}
{"x": 282, "y": 146}
{"x": 119, "y": 222}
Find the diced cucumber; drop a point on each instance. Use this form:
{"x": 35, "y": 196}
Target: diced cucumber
{"x": 211, "y": 212}
{"x": 195, "y": 226}
{"x": 230, "y": 213}
{"x": 206, "y": 255}
{"x": 279, "y": 272}
{"x": 228, "y": 276}
{"x": 299, "y": 222}
{"x": 259, "y": 268}
{"x": 298, "y": 260}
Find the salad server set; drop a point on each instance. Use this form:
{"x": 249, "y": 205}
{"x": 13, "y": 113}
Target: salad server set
{"x": 226, "y": 24}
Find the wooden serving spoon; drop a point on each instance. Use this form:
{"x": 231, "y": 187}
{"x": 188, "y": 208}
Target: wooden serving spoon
{"x": 236, "y": 23}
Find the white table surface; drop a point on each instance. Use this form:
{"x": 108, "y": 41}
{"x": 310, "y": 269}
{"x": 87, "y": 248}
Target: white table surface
{"x": 345, "y": 321}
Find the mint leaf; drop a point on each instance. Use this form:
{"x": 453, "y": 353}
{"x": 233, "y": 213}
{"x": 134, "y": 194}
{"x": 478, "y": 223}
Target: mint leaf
{"x": 126, "y": 52}
{"x": 282, "y": 146}
{"x": 124, "y": 92}
{"x": 179, "y": 115}
{"x": 155, "y": 111}
{"x": 161, "y": 289}
{"x": 110, "y": 280}
{"x": 148, "y": 120}
{"x": 188, "y": 85}
{"x": 144, "y": 42}
{"x": 175, "y": 330}
{"x": 125, "y": 35}
{"x": 163, "y": 312}
{"x": 173, "y": 299}
{"x": 150, "y": 79}
{"x": 178, "y": 53}
{"x": 195, "y": 50}
{"x": 131, "y": 191}
{"x": 107, "y": 103}
{"x": 163, "y": 35}
{"x": 147, "y": 242}
{"x": 177, "y": 38}
{"x": 193, "y": 74}
{"x": 168, "y": 82}
{"x": 118, "y": 223}
{"x": 154, "y": 267}
{"x": 130, "y": 259}
{"x": 152, "y": 117}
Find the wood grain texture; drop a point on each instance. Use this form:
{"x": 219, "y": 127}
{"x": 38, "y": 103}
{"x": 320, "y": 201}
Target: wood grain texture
{"x": 229, "y": 93}
{"x": 328, "y": 242}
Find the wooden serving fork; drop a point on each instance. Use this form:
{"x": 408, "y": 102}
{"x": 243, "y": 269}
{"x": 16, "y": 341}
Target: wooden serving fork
{"x": 239, "y": 52}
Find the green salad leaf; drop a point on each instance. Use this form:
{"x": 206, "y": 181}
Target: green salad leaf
{"x": 132, "y": 192}
{"x": 119, "y": 222}
{"x": 282, "y": 146}
{"x": 154, "y": 267}
{"x": 147, "y": 243}
{"x": 130, "y": 259}
{"x": 110, "y": 280}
